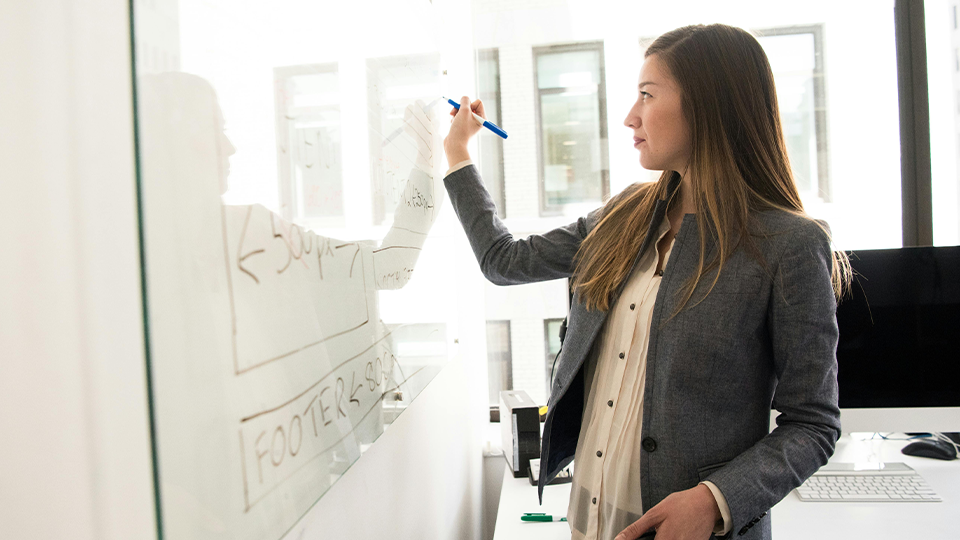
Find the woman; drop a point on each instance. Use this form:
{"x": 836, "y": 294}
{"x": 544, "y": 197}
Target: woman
{"x": 700, "y": 301}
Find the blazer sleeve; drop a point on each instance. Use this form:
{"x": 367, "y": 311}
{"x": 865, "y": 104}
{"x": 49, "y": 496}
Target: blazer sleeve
{"x": 503, "y": 259}
{"x": 803, "y": 333}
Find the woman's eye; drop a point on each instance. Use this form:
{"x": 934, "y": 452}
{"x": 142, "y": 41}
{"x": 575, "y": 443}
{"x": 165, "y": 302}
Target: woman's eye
{"x": 644, "y": 95}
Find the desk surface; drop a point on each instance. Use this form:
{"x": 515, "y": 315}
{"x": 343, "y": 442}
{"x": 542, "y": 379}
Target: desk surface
{"x": 792, "y": 519}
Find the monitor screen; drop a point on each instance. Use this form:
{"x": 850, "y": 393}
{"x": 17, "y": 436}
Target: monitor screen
{"x": 900, "y": 330}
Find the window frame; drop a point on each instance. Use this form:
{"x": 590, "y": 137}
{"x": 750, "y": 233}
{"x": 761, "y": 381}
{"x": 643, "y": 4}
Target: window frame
{"x": 819, "y": 99}
{"x": 549, "y": 358}
{"x": 289, "y": 198}
{"x": 547, "y": 210}
{"x": 498, "y": 194}
{"x": 381, "y": 210}
{"x": 916, "y": 177}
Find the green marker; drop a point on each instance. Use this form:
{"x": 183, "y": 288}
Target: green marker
{"x": 540, "y": 517}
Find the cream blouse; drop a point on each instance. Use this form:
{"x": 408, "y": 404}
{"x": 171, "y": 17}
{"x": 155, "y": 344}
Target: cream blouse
{"x": 605, "y": 496}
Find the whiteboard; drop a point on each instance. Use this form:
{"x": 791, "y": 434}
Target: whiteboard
{"x": 272, "y": 370}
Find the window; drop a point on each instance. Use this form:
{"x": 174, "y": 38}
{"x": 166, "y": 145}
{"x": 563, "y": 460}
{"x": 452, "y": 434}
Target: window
{"x": 551, "y": 344}
{"x": 796, "y": 58}
{"x": 943, "y": 89}
{"x": 571, "y": 107}
{"x": 392, "y": 83}
{"x": 491, "y": 145}
{"x": 308, "y": 144}
{"x": 499, "y": 359}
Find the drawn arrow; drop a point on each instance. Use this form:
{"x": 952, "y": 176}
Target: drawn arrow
{"x": 354, "y": 392}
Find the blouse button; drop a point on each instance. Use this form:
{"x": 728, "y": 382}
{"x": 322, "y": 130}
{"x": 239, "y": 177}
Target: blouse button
{"x": 632, "y": 307}
{"x": 599, "y": 453}
{"x": 594, "y": 500}
{"x": 621, "y": 355}
{"x": 610, "y": 403}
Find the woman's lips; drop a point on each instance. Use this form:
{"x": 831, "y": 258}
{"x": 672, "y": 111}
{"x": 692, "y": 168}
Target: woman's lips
{"x": 637, "y": 140}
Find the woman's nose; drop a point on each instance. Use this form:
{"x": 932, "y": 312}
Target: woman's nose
{"x": 633, "y": 118}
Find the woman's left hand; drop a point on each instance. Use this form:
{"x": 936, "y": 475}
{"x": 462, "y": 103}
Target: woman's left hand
{"x": 684, "y": 515}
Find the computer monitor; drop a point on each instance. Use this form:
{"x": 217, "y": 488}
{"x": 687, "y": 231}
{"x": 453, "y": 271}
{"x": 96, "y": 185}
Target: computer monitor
{"x": 899, "y": 348}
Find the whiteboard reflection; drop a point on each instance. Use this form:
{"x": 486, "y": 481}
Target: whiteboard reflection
{"x": 267, "y": 349}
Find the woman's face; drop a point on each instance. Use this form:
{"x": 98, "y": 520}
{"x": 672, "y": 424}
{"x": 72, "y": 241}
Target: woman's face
{"x": 660, "y": 130}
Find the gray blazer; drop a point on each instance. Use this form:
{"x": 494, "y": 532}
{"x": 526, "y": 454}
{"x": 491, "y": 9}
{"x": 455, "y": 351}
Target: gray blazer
{"x": 764, "y": 337}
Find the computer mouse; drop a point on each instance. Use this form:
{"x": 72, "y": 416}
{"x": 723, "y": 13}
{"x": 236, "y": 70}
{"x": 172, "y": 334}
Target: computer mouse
{"x": 931, "y": 448}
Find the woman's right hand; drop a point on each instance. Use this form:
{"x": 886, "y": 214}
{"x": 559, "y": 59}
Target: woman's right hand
{"x": 463, "y": 127}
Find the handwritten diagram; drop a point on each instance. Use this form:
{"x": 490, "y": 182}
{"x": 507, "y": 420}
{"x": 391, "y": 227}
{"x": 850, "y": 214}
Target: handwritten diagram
{"x": 291, "y": 289}
{"x": 271, "y": 367}
{"x": 295, "y": 294}
{"x": 316, "y": 427}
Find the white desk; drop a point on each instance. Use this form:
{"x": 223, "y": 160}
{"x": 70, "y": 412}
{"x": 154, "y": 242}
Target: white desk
{"x": 792, "y": 519}
{"x": 518, "y": 496}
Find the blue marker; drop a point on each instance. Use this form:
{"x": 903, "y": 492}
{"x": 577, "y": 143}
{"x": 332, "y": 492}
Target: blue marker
{"x": 489, "y": 125}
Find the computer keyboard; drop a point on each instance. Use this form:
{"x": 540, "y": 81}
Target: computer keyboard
{"x": 866, "y": 482}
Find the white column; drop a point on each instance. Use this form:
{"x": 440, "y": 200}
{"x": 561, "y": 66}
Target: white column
{"x": 75, "y": 458}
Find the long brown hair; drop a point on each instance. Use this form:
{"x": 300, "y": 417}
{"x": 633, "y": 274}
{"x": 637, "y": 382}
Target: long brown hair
{"x": 738, "y": 163}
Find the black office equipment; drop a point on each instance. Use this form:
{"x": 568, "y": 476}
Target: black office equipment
{"x": 565, "y": 476}
{"x": 520, "y": 428}
{"x": 900, "y": 331}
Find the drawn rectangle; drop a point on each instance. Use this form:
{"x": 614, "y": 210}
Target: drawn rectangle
{"x": 317, "y": 433}
{"x": 290, "y": 289}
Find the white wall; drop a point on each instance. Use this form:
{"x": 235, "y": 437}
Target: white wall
{"x": 75, "y": 459}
